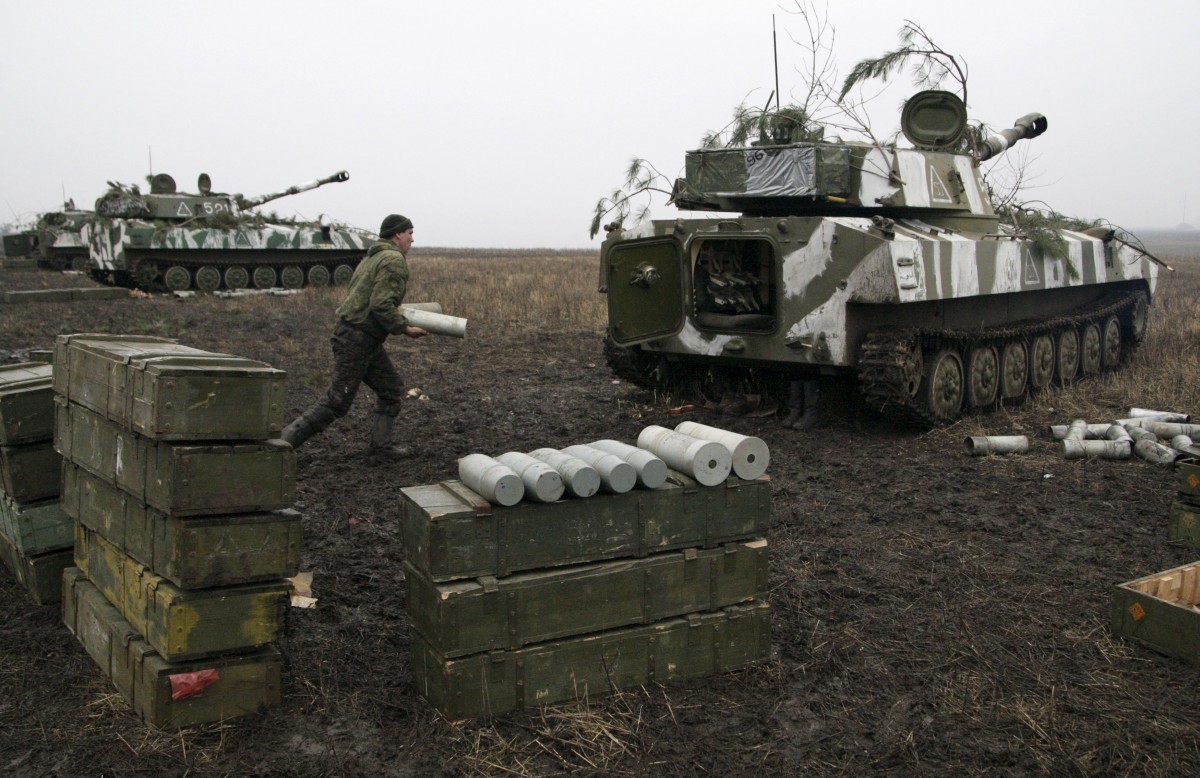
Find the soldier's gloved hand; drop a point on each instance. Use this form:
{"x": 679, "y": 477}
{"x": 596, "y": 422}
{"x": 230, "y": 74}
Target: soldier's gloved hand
{"x": 415, "y": 332}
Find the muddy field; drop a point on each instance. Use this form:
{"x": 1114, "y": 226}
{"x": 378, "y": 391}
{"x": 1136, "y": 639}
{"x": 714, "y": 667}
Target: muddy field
{"x": 934, "y": 614}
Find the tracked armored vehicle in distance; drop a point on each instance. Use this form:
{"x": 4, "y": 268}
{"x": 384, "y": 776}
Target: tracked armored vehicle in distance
{"x": 882, "y": 262}
{"x": 177, "y": 241}
{"x": 59, "y": 243}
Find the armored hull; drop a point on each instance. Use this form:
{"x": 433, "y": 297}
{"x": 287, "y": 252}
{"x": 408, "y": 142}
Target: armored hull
{"x": 888, "y": 264}
{"x": 208, "y": 241}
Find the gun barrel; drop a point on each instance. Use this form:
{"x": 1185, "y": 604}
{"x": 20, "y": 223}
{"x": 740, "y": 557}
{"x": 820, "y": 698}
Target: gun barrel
{"x": 1028, "y": 126}
{"x": 251, "y": 202}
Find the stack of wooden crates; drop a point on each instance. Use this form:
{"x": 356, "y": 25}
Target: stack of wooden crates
{"x": 35, "y": 534}
{"x": 184, "y": 533}
{"x": 545, "y": 602}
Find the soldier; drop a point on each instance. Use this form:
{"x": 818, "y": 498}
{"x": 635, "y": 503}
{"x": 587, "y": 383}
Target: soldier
{"x": 366, "y": 317}
{"x": 804, "y": 397}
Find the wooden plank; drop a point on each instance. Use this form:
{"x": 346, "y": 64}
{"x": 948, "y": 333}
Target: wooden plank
{"x": 449, "y": 536}
{"x": 236, "y": 685}
{"x": 592, "y": 665}
{"x": 183, "y": 624}
{"x": 466, "y": 617}
{"x": 190, "y": 552}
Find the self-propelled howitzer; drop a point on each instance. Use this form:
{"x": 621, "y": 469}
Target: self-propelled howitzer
{"x": 883, "y": 262}
{"x": 209, "y": 240}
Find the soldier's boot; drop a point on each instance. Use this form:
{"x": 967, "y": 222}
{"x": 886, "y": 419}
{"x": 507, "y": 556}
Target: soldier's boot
{"x": 381, "y": 438}
{"x": 308, "y": 424}
{"x": 795, "y": 405}
{"x": 803, "y": 399}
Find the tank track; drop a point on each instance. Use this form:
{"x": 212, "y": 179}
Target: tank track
{"x": 147, "y": 272}
{"x": 892, "y": 370}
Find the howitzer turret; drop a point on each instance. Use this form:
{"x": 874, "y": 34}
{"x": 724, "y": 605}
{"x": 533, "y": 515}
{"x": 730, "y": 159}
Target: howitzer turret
{"x": 209, "y": 240}
{"x": 252, "y": 202}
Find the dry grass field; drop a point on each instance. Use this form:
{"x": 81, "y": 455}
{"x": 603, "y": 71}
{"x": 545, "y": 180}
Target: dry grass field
{"x": 934, "y": 614}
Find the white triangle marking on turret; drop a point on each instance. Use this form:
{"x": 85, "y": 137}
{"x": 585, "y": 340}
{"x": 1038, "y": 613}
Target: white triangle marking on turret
{"x": 938, "y": 192}
{"x": 1031, "y": 272}
{"x": 183, "y": 210}
{"x": 242, "y": 239}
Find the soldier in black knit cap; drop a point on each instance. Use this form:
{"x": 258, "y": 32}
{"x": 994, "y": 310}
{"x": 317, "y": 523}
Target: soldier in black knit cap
{"x": 368, "y": 315}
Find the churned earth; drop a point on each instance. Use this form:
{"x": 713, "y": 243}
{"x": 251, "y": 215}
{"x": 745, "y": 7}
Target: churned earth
{"x": 933, "y": 613}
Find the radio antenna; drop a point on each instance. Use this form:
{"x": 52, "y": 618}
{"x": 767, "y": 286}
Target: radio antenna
{"x": 775, "y": 52}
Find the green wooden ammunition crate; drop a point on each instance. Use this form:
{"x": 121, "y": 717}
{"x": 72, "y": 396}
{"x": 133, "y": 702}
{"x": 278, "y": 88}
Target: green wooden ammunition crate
{"x": 30, "y": 472}
{"x": 180, "y": 479}
{"x": 36, "y": 527}
{"x": 166, "y": 391}
{"x": 192, "y": 553}
{"x": 183, "y": 623}
{"x": 1160, "y": 611}
{"x": 450, "y": 532}
{"x": 1187, "y": 473}
{"x": 485, "y": 614}
{"x": 26, "y": 403}
{"x": 91, "y": 372}
{"x": 239, "y": 684}
{"x": 1184, "y": 523}
{"x": 496, "y": 682}
{"x": 40, "y": 574}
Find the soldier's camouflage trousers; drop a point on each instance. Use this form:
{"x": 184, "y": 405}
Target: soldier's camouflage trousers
{"x": 358, "y": 358}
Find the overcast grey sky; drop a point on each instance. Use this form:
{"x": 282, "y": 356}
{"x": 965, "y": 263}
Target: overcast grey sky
{"x": 499, "y": 124}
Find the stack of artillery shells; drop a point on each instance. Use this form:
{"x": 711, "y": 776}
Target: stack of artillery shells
{"x": 36, "y": 536}
{"x": 184, "y": 534}
{"x": 645, "y": 575}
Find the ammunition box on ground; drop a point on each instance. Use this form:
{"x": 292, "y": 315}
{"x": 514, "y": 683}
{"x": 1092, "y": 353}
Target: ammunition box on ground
{"x": 484, "y": 614}
{"x": 492, "y": 683}
{"x": 166, "y": 391}
{"x": 450, "y": 532}
{"x": 37, "y": 527}
{"x": 40, "y": 574}
{"x": 38, "y": 295}
{"x": 192, "y": 553}
{"x": 1160, "y": 611}
{"x": 180, "y": 479}
{"x": 93, "y": 374}
{"x": 1187, "y": 473}
{"x": 164, "y": 694}
{"x": 1184, "y": 524}
{"x": 30, "y": 472}
{"x": 26, "y": 403}
{"x": 183, "y": 623}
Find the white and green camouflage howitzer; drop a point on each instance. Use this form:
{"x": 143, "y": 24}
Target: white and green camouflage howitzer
{"x": 60, "y": 244}
{"x": 177, "y": 241}
{"x": 886, "y": 263}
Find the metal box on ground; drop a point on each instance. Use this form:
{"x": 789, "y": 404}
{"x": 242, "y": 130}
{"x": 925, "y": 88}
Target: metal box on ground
{"x": 1187, "y": 474}
{"x": 591, "y": 665}
{"x": 450, "y": 532}
{"x": 183, "y": 623}
{"x": 30, "y": 472}
{"x": 487, "y": 613}
{"x": 192, "y": 553}
{"x": 26, "y": 403}
{"x": 1160, "y": 611}
{"x": 40, "y": 574}
{"x": 181, "y": 479}
{"x": 37, "y": 527}
{"x": 166, "y": 694}
{"x": 166, "y": 391}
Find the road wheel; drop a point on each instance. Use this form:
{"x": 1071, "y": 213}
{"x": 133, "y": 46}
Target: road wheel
{"x": 264, "y": 277}
{"x": 1014, "y": 370}
{"x": 318, "y": 275}
{"x": 1111, "y": 355}
{"x": 1041, "y": 362}
{"x": 208, "y": 279}
{"x": 1092, "y": 351}
{"x": 1138, "y": 318}
{"x": 177, "y": 278}
{"x": 942, "y": 390}
{"x": 236, "y": 278}
{"x": 291, "y": 277}
{"x": 1066, "y": 356}
{"x": 342, "y": 274}
{"x": 983, "y": 377}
